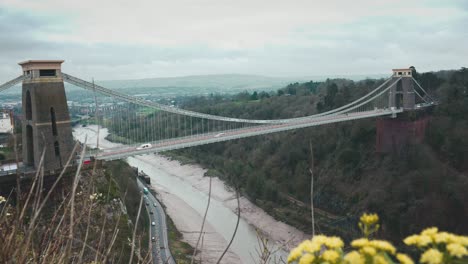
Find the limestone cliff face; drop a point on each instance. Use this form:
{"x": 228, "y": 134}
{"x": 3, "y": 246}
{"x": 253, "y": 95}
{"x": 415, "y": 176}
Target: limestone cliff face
{"x": 393, "y": 134}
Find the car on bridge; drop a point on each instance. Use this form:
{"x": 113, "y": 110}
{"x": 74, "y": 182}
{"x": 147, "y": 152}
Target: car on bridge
{"x": 144, "y": 146}
{"x": 218, "y": 135}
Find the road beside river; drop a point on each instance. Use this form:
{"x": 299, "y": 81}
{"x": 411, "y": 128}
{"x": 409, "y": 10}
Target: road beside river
{"x": 184, "y": 191}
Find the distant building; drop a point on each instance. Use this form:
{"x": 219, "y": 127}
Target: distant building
{"x": 5, "y": 123}
{"x": 8, "y": 168}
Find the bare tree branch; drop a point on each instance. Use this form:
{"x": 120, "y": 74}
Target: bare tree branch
{"x": 203, "y": 224}
{"x": 311, "y": 170}
{"x": 135, "y": 230}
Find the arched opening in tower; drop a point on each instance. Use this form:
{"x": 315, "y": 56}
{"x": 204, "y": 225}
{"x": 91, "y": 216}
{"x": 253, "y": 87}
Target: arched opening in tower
{"x": 57, "y": 152}
{"x": 399, "y": 86}
{"x": 30, "y": 145}
{"x": 57, "y": 149}
{"x": 399, "y": 94}
{"x": 53, "y": 121}
{"x": 28, "y": 106}
{"x": 399, "y": 100}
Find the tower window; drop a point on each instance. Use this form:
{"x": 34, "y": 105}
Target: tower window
{"x": 53, "y": 121}
{"x": 47, "y": 73}
{"x": 28, "y": 106}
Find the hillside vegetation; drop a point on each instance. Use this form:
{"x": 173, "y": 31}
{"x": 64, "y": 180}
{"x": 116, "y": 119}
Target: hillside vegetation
{"x": 96, "y": 227}
{"x": 421, "y": 185}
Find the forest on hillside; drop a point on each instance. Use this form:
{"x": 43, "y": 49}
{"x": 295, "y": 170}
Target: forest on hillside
{"x": 423, "y": 184}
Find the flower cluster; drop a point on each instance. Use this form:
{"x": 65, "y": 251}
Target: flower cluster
{"x": 374, "y": 251}
{"x": 369, "y": 224}
{"x": 317, "y": 250}
{"x": 369, "y": 219}
{"x": 95, "y": 196}
{"x": 439, "y": 247}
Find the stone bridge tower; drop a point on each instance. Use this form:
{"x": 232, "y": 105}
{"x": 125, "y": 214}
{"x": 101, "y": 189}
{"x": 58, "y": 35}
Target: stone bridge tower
{"x": 46, "y": 121}
{"x": 402, "y": 94}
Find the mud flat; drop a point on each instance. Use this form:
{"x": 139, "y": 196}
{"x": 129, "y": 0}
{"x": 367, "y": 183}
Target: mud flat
{"x": 184, "y": 191}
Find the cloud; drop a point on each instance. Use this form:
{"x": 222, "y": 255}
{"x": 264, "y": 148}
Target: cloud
{"x": 119, "y": 39}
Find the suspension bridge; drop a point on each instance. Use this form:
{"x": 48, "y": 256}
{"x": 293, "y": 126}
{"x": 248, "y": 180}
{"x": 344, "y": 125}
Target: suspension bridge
{"x": 144, "y": 126}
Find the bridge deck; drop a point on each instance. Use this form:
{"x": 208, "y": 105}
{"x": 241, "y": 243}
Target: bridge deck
{"x": 196, "y": 140}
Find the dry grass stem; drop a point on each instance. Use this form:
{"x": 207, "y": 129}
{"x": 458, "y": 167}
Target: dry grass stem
{"x": 235, "y": 229}
{"x": 203, "y": 224}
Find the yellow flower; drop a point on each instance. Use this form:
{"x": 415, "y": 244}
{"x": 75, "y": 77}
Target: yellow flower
{"x": 424, "y": 240}
{"x": 354, "y": 257}
{"x": 383, "y": 245}
{"x": 430, "y": 231}
{"x": 334, "y": 242}
{"x": 330, "y": 255}
{"x": 404, "y": 259}
{"x": 442, "y": 237}
{"x": 319, "y": 239}
{"x": 457, "y": 250}
{"x": 307, "y": 259}
{"x": 379, "y": 259}
{"x": 309, "y": 246}
{"x": 360, "y": 242}
{"x": 432, "y": 256}
{"x": 411, "y": 240}
{"x": 369, "y": 219}
{"x": 295, "y": 254}
{"x": 463, "y": 240}
{"x": 418, "y": 240}
{"x": 2, "y": 199}
{"x": 368, "y": 250}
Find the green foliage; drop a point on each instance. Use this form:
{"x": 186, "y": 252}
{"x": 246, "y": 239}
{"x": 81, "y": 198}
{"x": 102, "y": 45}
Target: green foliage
{"x": 180, "y": 250}
{"x": 421, "y": 185}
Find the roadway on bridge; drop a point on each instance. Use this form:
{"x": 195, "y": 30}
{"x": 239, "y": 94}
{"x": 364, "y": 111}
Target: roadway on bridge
{"x": 190, "y": 141}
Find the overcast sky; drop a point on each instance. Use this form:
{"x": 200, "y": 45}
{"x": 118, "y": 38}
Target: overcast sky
{"x": 128, "y": 39}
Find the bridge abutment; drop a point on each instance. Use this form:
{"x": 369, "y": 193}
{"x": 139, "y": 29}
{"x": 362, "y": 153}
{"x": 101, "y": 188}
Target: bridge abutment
{"x": 392, "y": 134}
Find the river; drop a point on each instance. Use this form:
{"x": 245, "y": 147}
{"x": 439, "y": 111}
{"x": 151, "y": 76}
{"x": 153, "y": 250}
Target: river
{"x": 184, "y": 191}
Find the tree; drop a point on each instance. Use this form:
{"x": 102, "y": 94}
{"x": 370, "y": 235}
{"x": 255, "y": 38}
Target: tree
{"x": 254, "y": 96}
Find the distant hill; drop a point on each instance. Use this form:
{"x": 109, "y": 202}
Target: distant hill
{"x": 205, "y": 84}
{"x": 200, "y": 84}
{"x": 212, "y": 81}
